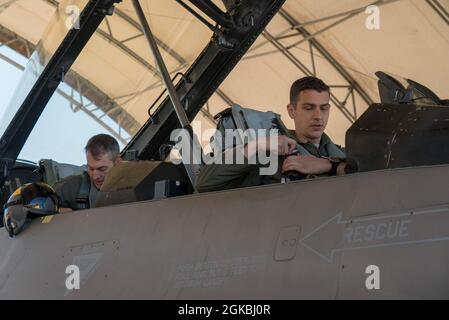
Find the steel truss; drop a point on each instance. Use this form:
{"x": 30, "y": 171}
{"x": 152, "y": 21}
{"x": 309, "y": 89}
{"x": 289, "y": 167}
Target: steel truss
{"x": 440, "y": 9}
{"x": 98, "y": 105}
{"x": 121, "y": 44}
{"x": 83, "y": 95}
{"x": 108, "y": 106}
{"x": 348, "y": 104}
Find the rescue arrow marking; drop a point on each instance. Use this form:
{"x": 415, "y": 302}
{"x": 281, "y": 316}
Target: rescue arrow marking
{"x": 413, "y": 227}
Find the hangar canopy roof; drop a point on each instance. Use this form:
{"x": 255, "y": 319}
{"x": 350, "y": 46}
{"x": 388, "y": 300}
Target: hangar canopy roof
{"x": 116, "y": 79}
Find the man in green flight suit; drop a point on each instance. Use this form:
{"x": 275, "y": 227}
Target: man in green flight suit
{"x": 80, "y": 191}
{"x": 307, "y": 150}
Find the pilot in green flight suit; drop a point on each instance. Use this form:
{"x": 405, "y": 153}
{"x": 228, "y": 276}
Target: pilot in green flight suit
{"x": 315, "y": 154}
{"x": 80, "y": 191}
{"x": 77, "y": 192}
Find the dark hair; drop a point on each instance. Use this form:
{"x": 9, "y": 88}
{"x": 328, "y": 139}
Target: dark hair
{"x": 101, "y": 144}
{"x": 306, "y": 83}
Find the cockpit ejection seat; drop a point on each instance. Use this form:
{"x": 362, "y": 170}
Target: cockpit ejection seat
{"x": 53, "y": 171}
{"x": 243, "y": 119}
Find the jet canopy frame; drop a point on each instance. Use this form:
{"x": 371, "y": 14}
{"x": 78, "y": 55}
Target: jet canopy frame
{"x": 234, "y": 33}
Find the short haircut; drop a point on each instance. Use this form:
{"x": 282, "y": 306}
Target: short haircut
{"x": 306, "y": 83}
{"x": 101, "y": 144}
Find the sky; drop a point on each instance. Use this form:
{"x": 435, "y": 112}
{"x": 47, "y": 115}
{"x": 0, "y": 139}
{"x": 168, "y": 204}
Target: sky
{"x": 9, "y": 77}
{"x": 60, "y": 134}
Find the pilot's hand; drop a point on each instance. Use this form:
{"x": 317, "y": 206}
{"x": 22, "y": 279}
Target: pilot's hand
{"x": 284, "y": 146}
{"x": 306, "y": 164}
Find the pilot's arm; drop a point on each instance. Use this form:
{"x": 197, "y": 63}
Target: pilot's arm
{"x": 215, "y": 177}
{"x": 67, "y": 189}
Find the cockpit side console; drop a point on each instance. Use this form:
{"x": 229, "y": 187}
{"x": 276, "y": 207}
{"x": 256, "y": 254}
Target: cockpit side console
{"x": 399, "y": 135}
{"x": 131, "y": 181}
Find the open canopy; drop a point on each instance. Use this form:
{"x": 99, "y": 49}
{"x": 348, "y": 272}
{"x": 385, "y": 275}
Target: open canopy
{"x": 116, "y": 81}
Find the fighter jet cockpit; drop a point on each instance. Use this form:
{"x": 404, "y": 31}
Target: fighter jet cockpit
{"x": 395, "y": 89}
{"x": 180, "y": 84}
{"x": 396, "y": 132}
{"x": 130, "y": 95}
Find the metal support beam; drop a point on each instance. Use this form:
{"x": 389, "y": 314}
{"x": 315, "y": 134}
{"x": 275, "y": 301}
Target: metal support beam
{"x": 176, "y": 102}
{"x": 26, "y": 117}
{"x": 439, "y": 9}
{"x": 304, "y": 69}
{"x": 126, "y": 123}
{"x": 108, "y": 36}
{"x": 132, "y": 54}
{"x": 347, "y": 14}
{"x": 213, "y": 12}
{"x": 206, "y": 113}
{"x": 353, "y": 86}
{"x": 182, "y": 62}
{"x": 199, "y": 17}
{"x": 122, "y": 15}
{"x": 204, "y": 77}
{"x": 179, "y": 109}
{"x": 328, "y": 56}
{"x": 166, "y": 48}
{"x": 80, "y": 106}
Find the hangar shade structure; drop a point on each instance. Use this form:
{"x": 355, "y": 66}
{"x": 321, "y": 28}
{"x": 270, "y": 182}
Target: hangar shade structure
{"x": 115, "y": 80}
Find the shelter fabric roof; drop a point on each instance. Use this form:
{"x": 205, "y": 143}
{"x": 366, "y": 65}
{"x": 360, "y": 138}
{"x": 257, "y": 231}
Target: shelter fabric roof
{"x": 328, "y": 38}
